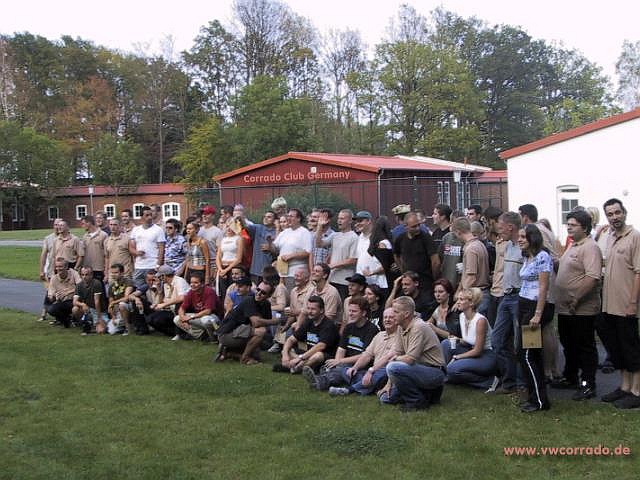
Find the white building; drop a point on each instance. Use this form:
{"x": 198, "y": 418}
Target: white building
{"x": 582, "y": 166}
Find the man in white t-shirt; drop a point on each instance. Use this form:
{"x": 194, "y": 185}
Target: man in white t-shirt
{"x": 368, "y": 265}
{"x": 293, "y": 245}
{"x": 211, "y": 233}
{"x": 342, "y": 254}
{"x": 146, "y": 245}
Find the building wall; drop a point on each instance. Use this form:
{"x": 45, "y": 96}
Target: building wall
{"x": 602, "y": 164}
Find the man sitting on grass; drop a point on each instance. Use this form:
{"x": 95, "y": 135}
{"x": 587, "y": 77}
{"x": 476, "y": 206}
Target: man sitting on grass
{"x": 245, "y": 326}
{"x": 416, "y": 371}
{"x": 89, "y": 303}
{"x": 196, "y": 316}
{"x": 318, "y": 335}
{"x": 356, "y": 337}
{"x": 60, "y": 293}
{"x": 120, "y": 289}
{"x": 360, "y": 379}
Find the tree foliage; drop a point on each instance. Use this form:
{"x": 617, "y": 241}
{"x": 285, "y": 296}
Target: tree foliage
{"x": 628, "y": 69}
{"x": 115, "y": 162}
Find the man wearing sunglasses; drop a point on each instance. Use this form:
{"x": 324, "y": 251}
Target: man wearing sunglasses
{"x": 244, "y": 327}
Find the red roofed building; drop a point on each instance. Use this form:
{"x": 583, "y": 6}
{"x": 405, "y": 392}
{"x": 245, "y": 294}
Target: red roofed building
{"x": 583, "y": 166}
{"x": 374, "y": 183}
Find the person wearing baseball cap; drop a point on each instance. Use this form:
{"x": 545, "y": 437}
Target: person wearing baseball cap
{"x": 357, "y": 284}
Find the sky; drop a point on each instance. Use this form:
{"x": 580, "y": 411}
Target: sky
{"x": 596, "y": 28}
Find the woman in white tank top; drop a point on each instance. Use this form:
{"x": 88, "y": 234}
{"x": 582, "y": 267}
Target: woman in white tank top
{"x": 472, "y": 361}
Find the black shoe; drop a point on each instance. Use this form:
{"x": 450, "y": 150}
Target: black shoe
{"x": 534, "y": 407}
{"x": 617, "y": 394}
{"x": 628, "y": 401}
{"x": 585, "y": 392}
{"x": 564, "y": 384}
{"x": 279, "y": 368}
{"x": 221, "y": 355}
{"x": 310, "y": 376}
{"x": 432, "y": 397}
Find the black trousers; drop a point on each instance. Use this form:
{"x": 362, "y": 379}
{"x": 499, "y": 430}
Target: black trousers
{"x": 531, "y": 359}
{"x": 620, "y": 337}
{"x": 162, "y": 321}
{"x": 577, "y": 335}
{"x": 61, "y": 311}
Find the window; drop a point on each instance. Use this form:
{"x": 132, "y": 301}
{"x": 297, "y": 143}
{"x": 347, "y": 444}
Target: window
{"x": 440, "y": 193}
{"x": 110, "y": 210}
{"x": 53, "y": 212}
{"x": 81, "y": 211}
{"x": 17, "y": 212}
{"x": 567, "y": 200}
{"x": 171, "y": 210}
{"x": 137, "y": 210}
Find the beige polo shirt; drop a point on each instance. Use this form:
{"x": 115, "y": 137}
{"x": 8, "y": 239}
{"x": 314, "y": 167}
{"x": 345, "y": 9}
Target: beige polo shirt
{"x": 94, "y": 250}
{"x": 421, "y": 343}
{"x": 475, "y": 260}
{"x": 581, "y": 260}
{"x": 69, "y": 248}
{"x": 622, "y": 264}
{"x": 383, "y": 343}
{"x": 117, "y": 251}
{"x": 497, "y": 287}
{"x": 332, "y": 301}
{"x": 297, "y": 297}
{"x": 63, "y": 288}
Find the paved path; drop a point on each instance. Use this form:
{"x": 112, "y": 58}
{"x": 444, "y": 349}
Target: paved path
{"x": 20, "y": 243}
{"x": 21, "y": 295}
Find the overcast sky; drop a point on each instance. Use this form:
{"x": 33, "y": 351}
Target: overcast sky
{"x": 596, "y": 28}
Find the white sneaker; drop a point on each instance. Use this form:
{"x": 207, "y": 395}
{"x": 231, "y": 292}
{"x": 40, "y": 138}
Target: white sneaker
{"x": 339, "y": 391}
{"x": 176, "y": 338}
{"x": 275, "y": 348}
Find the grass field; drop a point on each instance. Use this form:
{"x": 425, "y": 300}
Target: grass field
{"x": 20, "y": 262}
{"x": 33, "y": 234}
{"x": 143, "y": 407}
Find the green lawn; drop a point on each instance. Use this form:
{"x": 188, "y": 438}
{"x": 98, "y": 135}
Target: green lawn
{"x": 20, "y": 262}
{"x": 33, "y": 234}
{"x": 144, "y": 407}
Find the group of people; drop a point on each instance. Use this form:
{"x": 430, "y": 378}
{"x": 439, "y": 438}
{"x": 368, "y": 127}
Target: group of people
{"x": 361, "y": 306}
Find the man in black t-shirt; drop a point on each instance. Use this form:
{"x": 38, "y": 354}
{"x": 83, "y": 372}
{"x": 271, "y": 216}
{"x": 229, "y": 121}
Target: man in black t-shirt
{"x": 356, "y": 337}
{"x": 318, "y": 333}
{"x": 89, "y": 303}
{"x": 244, "y": 327}
{"x": 409, "y": 284}
{"x": 415, "y": 251}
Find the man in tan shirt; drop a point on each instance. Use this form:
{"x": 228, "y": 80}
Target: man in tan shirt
{"x": 62, "y": 288}
{"x": 116, "y": 249}
{"x": 416, "y": 372}
{"x": 475, "y": 262}
{"x": 68, "y": 246}
{"x": 323, "y": 289}
{"x": 621, "y": 290}
{"x": 93, "y": 242}
{"x": 578, "y": 306}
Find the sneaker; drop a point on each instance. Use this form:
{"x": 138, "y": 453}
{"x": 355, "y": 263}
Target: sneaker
{"x": 275, "y": 348}
{"x": 297, "y": 369}
{"x": 564, "y": 384}
{"x": 176, "y": 338}
{"x": 585, "y": 392}
{"x": 501, "y": 390}
{"x": 309, "y": 375}
{"x": 125, "y": 333}
{"x": 529, "y": 407}
{"x": 339, "y": 391}
{"x": 617, "y": 394}
{"x": 628, "y": 401}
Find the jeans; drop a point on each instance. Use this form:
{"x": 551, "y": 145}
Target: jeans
{"x": 483, "y": 308}
{"x": 477, "y": 371}
{"x": 378, "y": 380}
{"x": 506, "y": 333}
{"x": 411, "y": 381}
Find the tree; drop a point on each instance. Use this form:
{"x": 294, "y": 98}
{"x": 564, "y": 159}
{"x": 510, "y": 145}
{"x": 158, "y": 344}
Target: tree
{"x": 115, "y": 162}
{"x": 31, "y": 164}
{"x": 204, "y": 153}
{"x": 628, "y": 70}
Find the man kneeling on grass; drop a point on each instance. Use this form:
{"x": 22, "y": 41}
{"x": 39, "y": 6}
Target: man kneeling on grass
{"x": 356, "y": 337}
{"x": 416, "y": 371}
{"x": 245, "y": 326}
{"x": 120, "y": 289}
{"x": 360, "y": 379}
{"x": 314, "y": 341}
{"x": 89, "y": 303}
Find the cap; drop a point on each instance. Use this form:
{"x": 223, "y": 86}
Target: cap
{"x": 357, "y": 278}
{"x": 164, "y": 270}
{"x": 363, "y": 214}
{"x": 244, "y": 281}
{"x": 209, "y": 210}
{"x": 400, "y": 209}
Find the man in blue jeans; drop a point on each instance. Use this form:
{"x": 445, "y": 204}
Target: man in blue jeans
{"x": 505, "y": 329}
{"x": 416, "y": 372}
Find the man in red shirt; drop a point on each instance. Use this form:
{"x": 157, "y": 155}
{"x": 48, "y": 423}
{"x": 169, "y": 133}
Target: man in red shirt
{"x": 197, "y": 314}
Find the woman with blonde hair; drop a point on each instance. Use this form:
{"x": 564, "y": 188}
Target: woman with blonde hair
{"x": 229, "y": 254}
{"x": 470, "y": 359}
{"x": 197, "y": 259}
